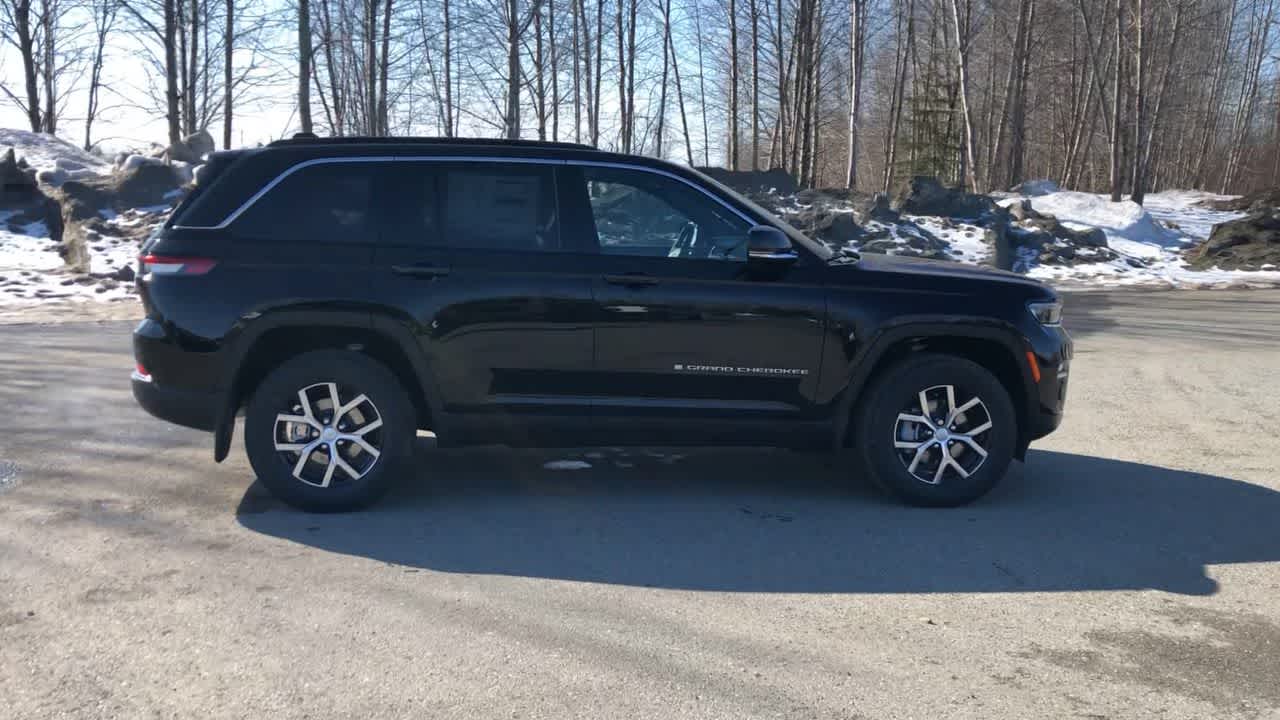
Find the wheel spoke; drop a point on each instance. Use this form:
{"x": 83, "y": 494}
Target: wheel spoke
{"x": 303, "y": 457}
{"x": 942, "y": 467}
{"x": 904, "y": 445}
{"x": 333, "y": 400}
{"x": 305, "y": 402}
{"x": 924, "y": 404}
{"x": 346, "y": 468}
{"x": 960, "y": 410}
{"x": 951, "y": 402}
{"x": 978, "y": 430}
{"x": 304, "y": 419}
{"x": 364, "y": 444}
{"x": 973, "y": 444}
{"x": 292, "y": 447}
{"x": 342, "y": 411}
{"x": 329, "y": 468}
{"x": 366, "y": 429}
{"x": 908, "y": 417}
{"x": 918, "y": 457}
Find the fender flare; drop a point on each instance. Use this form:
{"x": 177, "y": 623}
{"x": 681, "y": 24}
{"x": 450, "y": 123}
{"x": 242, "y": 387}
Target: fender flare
{"x": 397, "y": 332}
{"x": 863, "y": 365}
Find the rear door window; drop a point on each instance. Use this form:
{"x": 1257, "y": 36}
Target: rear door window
{"x": 323, "y": 203}
{"x": 500, "y": 206}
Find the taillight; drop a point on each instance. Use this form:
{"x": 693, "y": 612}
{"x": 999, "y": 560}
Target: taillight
{"x": 169, "y": 265}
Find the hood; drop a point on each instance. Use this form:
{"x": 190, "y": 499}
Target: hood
{"x": 940, "y": 271}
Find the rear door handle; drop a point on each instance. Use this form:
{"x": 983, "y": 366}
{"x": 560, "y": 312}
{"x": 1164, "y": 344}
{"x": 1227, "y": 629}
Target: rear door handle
{"x": 631, "y": 280}
{"x": 421, "y": 271}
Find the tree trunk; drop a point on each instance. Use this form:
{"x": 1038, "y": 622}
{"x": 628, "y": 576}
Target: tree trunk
{"x": 1139, "y": 105}
{"x": 304, "y": 63}
{"x": 193, "y": 69}
{"x": 384, "y": 67}
{"x": 228, "y": 93}
{"x": 26, "y": 47}
{"x": 684, "y": 118}
{"x": 173, "y": 112}
{"x": 962, "y": 65}
{"x": 555, "y": 71}
{"x": 857, "y": 35}
{"x": 449, "y": 114}
{"x": 702, "y": 87}
{"x": 659, "y": 136}
{"x": 48, "y": 20}
{"x": 511, "y": 119}
{"x": 1117, "y": 105}
{"x": 755, "y": 85}
{"x": 733, "y": 85}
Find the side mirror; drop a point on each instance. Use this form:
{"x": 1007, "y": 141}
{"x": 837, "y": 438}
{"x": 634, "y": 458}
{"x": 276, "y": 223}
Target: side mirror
{"x": 769, "y": 245}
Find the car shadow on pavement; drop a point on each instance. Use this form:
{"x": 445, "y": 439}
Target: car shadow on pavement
{"x": 774, "y": 521}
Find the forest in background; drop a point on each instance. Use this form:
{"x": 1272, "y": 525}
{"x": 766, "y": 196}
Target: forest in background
{"x": 1119, "y": 96}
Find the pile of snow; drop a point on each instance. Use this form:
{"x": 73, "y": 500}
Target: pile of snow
{"x": 1150, "y": 240}
{"x": 48, "y": 152}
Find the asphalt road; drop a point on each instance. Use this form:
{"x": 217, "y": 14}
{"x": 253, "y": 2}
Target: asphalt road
{"x": 1129, "y": 569}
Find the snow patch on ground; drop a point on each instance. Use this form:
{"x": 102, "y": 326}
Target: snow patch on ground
{"x": 47, "y": 152}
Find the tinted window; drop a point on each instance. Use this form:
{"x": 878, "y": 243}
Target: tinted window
{"x": 329, "y": 202}
{"x": 641, "y": 213}
{"x": 496, "y": 206}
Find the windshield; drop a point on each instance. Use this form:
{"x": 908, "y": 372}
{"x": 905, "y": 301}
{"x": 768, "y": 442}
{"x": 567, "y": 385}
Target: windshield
{"x": 817, "y": 248}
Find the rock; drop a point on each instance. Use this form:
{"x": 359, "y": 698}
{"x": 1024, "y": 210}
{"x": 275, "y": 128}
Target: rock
{"x": 1244, "y": 244}
{"x": 124, "y": 274}
{"x": 200, "y": 143}
{"x": 1253, "y": 202}
{"x": 25, "y": 201}
{"x": 876, "y": 207}
{"x": 53, "y": 177}
{"x": 1022, "y": 210}
{"x": 15, "y": 177}
{"x": 925, "y": 195}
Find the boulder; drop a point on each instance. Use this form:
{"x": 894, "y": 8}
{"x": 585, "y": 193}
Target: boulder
{"x": 925, "y": 195}
{"x": 200, "y": 143}
{"x": 1244, "y": 244}
{"x": 1253, "y": 202}
{"x": 23, "y": 199}
{"x": 15, "y": 177}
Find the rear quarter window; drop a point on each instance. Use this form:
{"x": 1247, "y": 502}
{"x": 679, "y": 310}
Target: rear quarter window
{"x": 323, "y": 203}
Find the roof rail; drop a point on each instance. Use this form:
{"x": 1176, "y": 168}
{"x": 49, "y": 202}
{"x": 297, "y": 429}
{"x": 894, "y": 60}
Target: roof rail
{"x": 313, "y": 139}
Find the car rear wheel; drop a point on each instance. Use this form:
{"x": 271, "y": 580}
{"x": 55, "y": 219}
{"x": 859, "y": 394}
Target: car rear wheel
{"x": 329, "y": 431}
{"x": 936, "y": 430}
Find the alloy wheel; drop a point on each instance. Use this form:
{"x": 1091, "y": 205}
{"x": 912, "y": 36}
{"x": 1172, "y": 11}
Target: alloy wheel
{"x": 942, "y": 434}
{"x": 330, "y": 435}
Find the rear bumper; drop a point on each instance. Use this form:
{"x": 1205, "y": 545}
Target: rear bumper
{"x": 197, "y": 410}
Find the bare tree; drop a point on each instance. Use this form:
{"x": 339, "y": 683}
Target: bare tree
{"x": 304, "y": 63}
{"x": 104, "y": 18}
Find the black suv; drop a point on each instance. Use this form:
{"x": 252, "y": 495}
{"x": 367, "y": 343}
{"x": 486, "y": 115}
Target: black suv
{"x": 345, "y": 293}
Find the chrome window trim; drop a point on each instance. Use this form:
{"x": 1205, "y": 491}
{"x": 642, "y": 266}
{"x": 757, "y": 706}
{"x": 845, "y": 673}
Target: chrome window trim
{"x": 226, "y": 222}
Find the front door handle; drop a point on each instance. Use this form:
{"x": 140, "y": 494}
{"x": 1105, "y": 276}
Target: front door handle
{"x": 421, "y": 271}
{"x": 631, "y": 280}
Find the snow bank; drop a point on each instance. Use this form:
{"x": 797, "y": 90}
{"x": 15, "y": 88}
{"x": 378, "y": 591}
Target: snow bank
{"x": 1124, "y": 220}
{"x": 47, "y": 152}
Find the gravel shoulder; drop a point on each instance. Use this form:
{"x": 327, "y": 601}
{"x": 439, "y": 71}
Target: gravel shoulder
{"x": 1129, "y": 569}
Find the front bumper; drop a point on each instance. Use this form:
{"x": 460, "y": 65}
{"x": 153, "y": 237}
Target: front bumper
{"x": 188, "y": 408}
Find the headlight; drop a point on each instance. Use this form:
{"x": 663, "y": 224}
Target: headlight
{"x": 1047, "y": 313}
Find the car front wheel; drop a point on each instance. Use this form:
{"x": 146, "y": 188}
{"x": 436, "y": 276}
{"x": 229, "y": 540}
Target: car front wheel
{"x": 936, "y": 430}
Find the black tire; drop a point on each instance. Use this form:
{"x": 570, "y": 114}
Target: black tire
{"x": 354, "y": 374}
{"x": 877, "y": 427}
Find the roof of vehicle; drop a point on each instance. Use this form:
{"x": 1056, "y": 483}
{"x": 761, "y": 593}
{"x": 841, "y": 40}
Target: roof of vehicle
{"x": 308, "y": 139}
